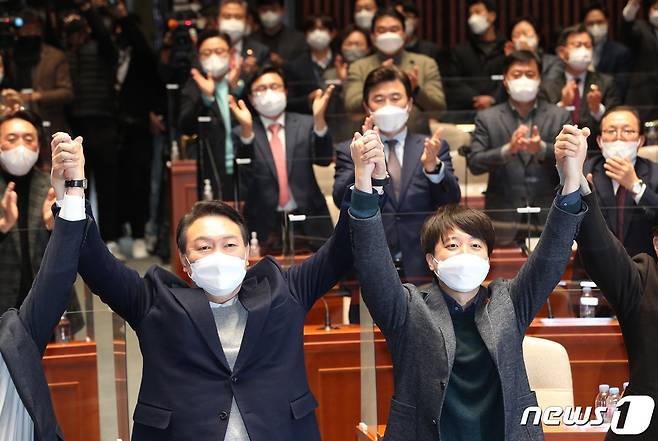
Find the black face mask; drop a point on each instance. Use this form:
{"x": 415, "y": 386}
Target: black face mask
{"x": 28, "y": 49}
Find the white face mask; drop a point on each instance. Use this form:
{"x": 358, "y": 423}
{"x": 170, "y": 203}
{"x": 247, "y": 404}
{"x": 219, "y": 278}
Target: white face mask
{"x": 363, "y": 19}
{"x": 318, "y": 39}
{"x": 526, "y": 43}
{"x": 270, "y": 104}
{"x": 580, "y": 58}
{"x": 215, "y": 65}
{"x": 218, "y": 274}
{"x": 523, "y": 90}
{"x": 410, "y": 26}
{"x": 653, "y": 17}
{"x": 391, "y": 119}
{"x": 478, "y": 24}
{"x": 620, "y": 149}
{"x": 271, "y": 19}
{"x": 234, "y": 28}
{"x": 464, "y": 272}
{"x": 389, "y": 43}
{"x": 599, "y": 32}
{"x": 351, "y": 54}
{"x": 19, "y": 160}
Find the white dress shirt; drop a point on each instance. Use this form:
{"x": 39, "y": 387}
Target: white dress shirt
{"x": 401, "y": 139}
{"x": 636, "y": 197}
{"x": 583, "y": 94}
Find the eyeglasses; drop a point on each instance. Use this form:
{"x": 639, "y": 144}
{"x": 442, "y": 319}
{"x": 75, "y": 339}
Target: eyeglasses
{"x": 274, "y": 87}
{"x": 625, "y": 133}
{"x": 579, "y": 44}
{"x": 217, "y": 51}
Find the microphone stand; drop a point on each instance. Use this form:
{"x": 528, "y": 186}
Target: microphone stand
{"x": 327, "y": 318}
{"x": 465, "y": 151}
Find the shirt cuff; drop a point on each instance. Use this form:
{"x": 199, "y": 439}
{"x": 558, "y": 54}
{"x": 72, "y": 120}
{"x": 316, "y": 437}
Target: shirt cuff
{"x": 248, "y": 140}
{"x": 638, "y": 196}
{"x": 321, "y": 133}
{"x": 630, "y": 11}
{"x": 207, "y": 101}
{"x": 505, "y": 151}
{"x": 571, "y": 203}
{"x": 364, "y": 205}
{"x": 598, "y": 115}
{"x": 436, "y": 178}
{"x": 72, "y": 208}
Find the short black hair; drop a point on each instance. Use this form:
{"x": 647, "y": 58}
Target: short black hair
{"x": 208, "y": 208}
{"x": 264, "y": 71}
{"x": 572, "y": 30}
{"x": 408, "y": 7}
{"x": 324, "y": 20}
{"x": 385, "y": 74}
{"x": 260, "y": 3}
{"x": 212, "y": 33}
{"x": 349, "y": 30}
{"x": 32, "y": 16}
{"x": 473, "y": 222}
{"x": 388, "y": 11}
{"x": 625, "y": 108}
{"x": 522, "y": 56}
{"x": 36, "y": 121}
{"x": 527, "y": 18}
{"x": 593, "y": 6}
{"x": 489, "y": 4}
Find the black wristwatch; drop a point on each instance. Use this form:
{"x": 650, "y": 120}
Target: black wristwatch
{"x": 79, "y": 183}
{"x": 381, "y": 182}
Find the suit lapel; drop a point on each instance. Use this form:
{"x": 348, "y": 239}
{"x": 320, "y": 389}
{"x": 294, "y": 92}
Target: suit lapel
{"x": 606, "y": 193}
{"x": 485, "y": 326}
{"x": 442, "y": 320}
{"x": 195, "y": 302}
{"x": 291, "y": 141}
{"x": 256, "y": 297}
{"x": 510, "y": 123}
{"x": 263, "y": 144}
{"x": 413, "y": 150}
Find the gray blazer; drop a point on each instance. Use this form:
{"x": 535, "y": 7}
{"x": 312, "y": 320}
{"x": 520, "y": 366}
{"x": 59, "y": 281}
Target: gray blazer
{"x": 421, "y": 339}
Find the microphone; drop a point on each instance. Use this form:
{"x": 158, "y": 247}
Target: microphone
{"x": 327, "y": 317}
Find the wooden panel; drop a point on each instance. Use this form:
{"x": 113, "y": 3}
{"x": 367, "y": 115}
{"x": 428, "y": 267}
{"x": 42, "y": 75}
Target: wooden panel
{"x": 183, "y": 196}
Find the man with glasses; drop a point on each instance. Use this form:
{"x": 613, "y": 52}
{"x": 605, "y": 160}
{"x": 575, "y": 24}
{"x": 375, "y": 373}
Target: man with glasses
{"x": 283, "y": 147}
{"x": 626, "y": 185}
{"x": 584, "y": 93}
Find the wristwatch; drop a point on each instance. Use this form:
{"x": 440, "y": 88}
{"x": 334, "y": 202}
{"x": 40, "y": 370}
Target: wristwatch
{"x": 637, "y": 187}
{"x": 79, "y": 183}
{"x": 381, "y": 182}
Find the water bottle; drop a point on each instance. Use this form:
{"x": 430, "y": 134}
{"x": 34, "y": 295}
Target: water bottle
{"x": 588, "y": 303}
{"x": 611, "y": 403}
{"x": 63, "y": 330}
{"x": 207, "y": 190}
{"x": 254, "y": 247}
{"x": 602, "y": 397}
{"x": 175, "y": 151}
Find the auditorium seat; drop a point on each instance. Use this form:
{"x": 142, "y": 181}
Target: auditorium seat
{"x": 549, "y": 372}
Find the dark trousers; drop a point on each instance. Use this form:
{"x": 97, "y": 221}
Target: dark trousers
{"x": 101, "y": 161}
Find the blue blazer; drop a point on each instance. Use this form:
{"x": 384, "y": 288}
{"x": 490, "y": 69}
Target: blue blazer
{"x": 187, "y": 385}
{"x": 25, "y": 333}
{"x": 419, "y": 198}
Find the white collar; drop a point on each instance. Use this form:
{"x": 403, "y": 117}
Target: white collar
{"x": 400, "y": 137}
{"x": 581, "y": 77}
{"x": 226, "y": 304}
{"x": 268, "y": 121}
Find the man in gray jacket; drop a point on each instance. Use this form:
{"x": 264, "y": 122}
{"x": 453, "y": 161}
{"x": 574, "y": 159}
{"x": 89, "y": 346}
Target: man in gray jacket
{"x": 457, "y": 346}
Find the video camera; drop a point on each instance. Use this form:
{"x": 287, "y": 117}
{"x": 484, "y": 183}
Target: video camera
{"x": 8, "y": 27}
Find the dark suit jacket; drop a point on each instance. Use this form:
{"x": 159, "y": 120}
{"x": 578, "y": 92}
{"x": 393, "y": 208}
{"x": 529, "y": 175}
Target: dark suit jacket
{"x": 260, "y": 186}
{"x": 631, "y": 288}
{"x": 551, "y": 91}
{"x": 639, "y": 219}
{"x": 187, "y": 386}
{"x": 289, "y": 43}
{"x": 419, "y": 198}
{"x": 52, "y": 79}
{"x": 259, "y": 51}
{"x": 616, "y": 60}
{"x": 24, "y": 334}
{"x": 640, "y": 37}
{"x": 421, "y": 339}
{"x": 522, "y": 178}
{"x": 303, "y": 76}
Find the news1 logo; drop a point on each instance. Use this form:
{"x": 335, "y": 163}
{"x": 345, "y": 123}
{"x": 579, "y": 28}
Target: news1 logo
{"x": 631, "y": 417}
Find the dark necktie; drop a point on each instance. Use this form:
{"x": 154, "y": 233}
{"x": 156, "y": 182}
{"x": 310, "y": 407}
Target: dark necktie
{"x": 575, "y": 114}
{"x": 621, "y": 208}
{"x": 394, "y": 169}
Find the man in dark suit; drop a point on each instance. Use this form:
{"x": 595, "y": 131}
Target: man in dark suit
{"x": 248, "y": 53}
{"x": 285, "y": 43}
{"x": 456, "y": 346}
{"x": 630, "y": 285}
{"x": 584, "y": 93}
{"x": 27, "y": 411}
{"x": 513, "y": 142}
{"x": 223, "y": 359}
{"x": 282, "y": 146}
{"x": 627, "y": 185}
{"x": 610, "y": 56}
{"x": 420, "y": 167}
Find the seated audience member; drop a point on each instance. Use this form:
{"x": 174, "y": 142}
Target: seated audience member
{"x": 456, "y": 344}
{"x": 305, "y": 74}
{"x": 473, "y": 63}
{"x": 285, "y": 43}
{"x": 206, "y": 94}
{"x": 354, "y": 45}
{"x": 388, "y": 38}
{"x": 524, "y": 36}
{"x": 422, "y": 177}
{"x": 630, "y": 285}
{"x": 364, "y": 12}
{"x": 640, "y": 36}
{"x": 44, "y": 70}
{"x": 513, "y": 142}
{"x": 247, "y": 53}
{"x": 626, "y": 185}
{"x": 27, "y": 410}
{"x": 609, "y": 56}
{"x": 411, "y": 25}
{"x": 586, "y": 94}
{"x": 283, "y": 146}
